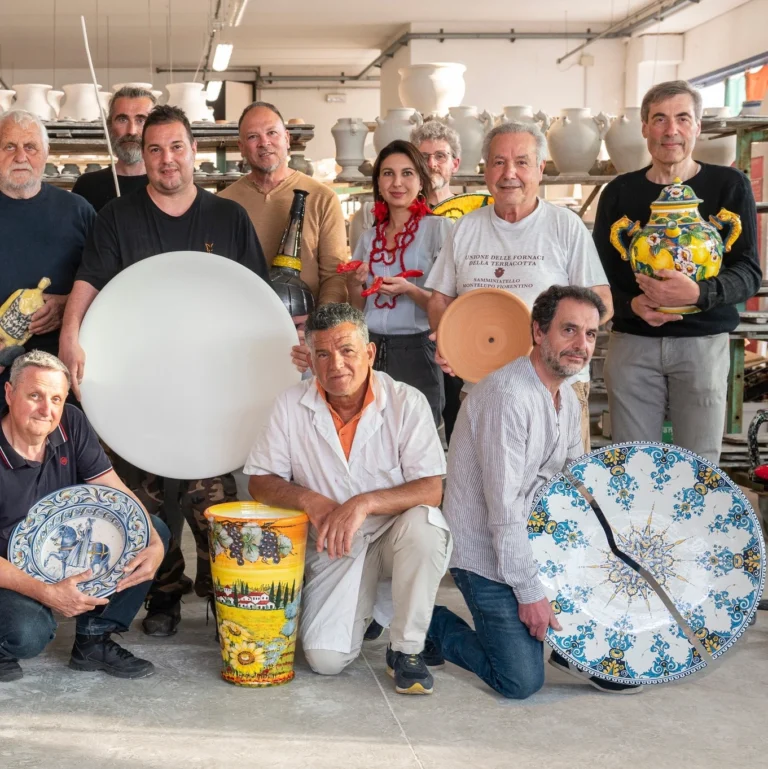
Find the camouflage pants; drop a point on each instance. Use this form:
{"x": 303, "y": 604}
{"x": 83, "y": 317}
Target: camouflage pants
{"x": 192, "y": 499}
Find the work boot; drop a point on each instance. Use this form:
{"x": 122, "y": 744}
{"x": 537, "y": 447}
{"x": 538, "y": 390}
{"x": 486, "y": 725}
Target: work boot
{"x": 163, "y": 615}
{"x": 100, "y": 652}
{"x": 10, "y": 670}
{"x": 410, "y": 673}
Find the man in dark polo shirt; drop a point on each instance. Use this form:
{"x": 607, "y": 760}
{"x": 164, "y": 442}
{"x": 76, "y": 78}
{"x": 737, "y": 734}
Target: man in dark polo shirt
{"x": 45, "y": 446}
{"x": 170, "y": 214}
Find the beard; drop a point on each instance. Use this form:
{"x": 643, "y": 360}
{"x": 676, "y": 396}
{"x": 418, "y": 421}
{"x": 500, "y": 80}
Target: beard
{"x": 554, "y": 361}
{"x": 438, "y": 181}
{"x": 7, "y": 182}
{"x": 127, "y": 148}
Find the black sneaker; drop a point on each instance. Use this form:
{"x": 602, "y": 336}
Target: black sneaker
{"x": 100, "y": 652}
{"x": 410, "y": 673}
{"x": 432, "y": 654}
{"x": 373, "y": 632}
{"x": 163, "y": 616}
{"x": 10, "y": 670}
{"x": 609, "y": 687}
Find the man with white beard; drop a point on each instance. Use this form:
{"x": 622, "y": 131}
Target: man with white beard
{"x": 128, "y": 111}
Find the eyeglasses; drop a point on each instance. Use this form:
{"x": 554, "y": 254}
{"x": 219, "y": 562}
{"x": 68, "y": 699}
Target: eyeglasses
{"x": 440, "y": 157}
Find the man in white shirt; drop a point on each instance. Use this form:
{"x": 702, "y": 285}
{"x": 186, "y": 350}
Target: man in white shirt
{"x": 519, "y": 427}
{"x": 520, "y": 244}
{"x": 359, "y": 452}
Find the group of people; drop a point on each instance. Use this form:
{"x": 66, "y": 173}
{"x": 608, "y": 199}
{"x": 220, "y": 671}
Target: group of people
{"x": 356, "y": 444}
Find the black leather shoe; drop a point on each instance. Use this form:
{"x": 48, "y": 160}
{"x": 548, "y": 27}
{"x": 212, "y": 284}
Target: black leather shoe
{"x": 163, "y": 616}
{"x": 100, "y": 652}
{"x": 10, "y": 670}
{"x": 373, "y": 631}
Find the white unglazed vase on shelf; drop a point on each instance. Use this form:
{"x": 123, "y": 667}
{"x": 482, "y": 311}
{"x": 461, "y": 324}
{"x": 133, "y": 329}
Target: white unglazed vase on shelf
{"x": 80, "y": 103}
{"x": 523, "y": 113}
{"x": 350, "y": 133}
{"x": 624, "y": 141}
{"x": 54, "y": 99}
{"x": 720, "y": 151}
{"x": 33, "y": 97}
{"x": 471, "y": 126}
{"x": 146, "y": 86}
{"x": 6, "y": 97}
{"x": 189, "y": 97}
{"x": 432, "y": 88}
{"x": 396, "y": 124}
{"x": 574, "y": 139}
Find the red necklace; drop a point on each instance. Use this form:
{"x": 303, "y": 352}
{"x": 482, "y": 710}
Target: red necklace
{"x": 388, "y": 256}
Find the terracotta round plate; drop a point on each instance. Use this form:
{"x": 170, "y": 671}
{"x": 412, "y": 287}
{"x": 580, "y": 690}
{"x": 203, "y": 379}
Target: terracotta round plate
{"x": 482, "y": 331}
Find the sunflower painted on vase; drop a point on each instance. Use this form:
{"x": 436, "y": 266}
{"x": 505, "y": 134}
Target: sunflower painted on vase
{"x": 676, "y": 238}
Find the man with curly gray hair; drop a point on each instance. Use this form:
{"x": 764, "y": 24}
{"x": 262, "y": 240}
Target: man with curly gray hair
{"x": 441, "y": 148}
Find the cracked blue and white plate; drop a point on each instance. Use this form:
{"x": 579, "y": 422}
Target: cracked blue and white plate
{"x": 675, "y": 514}
{"x": 79, "y": 528}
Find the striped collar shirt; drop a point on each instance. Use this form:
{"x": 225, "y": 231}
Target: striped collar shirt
{"x": 509, "y": 440}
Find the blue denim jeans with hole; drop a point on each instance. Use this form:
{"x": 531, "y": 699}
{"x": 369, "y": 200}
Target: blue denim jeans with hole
{"x": 500, "y": 650}
{"x": 27, "y": 627}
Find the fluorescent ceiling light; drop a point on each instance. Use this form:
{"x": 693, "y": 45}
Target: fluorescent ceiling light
{"x": 236, "y": 11}
{"x": 212, "y": 90}
{"x": 221, "y": 57}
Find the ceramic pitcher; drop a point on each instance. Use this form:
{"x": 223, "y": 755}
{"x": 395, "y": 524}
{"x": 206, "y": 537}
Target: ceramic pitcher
{"x": 523, "y": 113}
{"x": 676, "y": 238}
{"x": 710, "y": 148}
{"x": 6, "y": 97}
{"x": 54, "y": 99}
{"x": 397, "y": 124}
{"x": 350, "y": 133}
{"x": 189, "y": 97}
{"x": 33, "y": 97}
{"x": 574, "y": 139}
{"x": 625, "y": 143}
{"x": 471, "y": 127}
{"x": 257, "y": 564}
{"x": 432, "y": 88}
{"x": 80, "y": 103}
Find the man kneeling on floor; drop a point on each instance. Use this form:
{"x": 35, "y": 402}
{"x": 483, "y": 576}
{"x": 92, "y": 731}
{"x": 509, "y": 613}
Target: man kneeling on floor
{"x": 517, "y": 428}
{"x": 360, "y": 454}
{"x": 45, "y": 446}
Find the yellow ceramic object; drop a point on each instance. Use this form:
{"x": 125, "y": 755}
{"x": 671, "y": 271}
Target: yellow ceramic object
{"x": 17, "y": 311}
{"x": 257, "y": 562}
{"x": 458, "y": 205}
{"x": 676, "y": 238}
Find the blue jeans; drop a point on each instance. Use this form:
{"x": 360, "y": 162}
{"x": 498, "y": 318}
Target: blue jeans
{"x": 500, "y": 650}
{"x": 27, "y": 627}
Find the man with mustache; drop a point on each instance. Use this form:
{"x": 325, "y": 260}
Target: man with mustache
{"x": 128, "y": 111}
{"x": 520, "y": 244}
{"x": 518, "y": 427}
{"x": 170, "y": 214}
{"x": 659, "y": 360}
{"x": 43, "y": 230}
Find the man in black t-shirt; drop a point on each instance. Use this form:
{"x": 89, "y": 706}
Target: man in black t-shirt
{"x": 657, "y": 359}
{"x": 170, "y": 214}
{"x": 128, "y": 111}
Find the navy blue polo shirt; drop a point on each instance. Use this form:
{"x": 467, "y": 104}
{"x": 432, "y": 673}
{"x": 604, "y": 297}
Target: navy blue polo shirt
{"x": 73, "y": 455}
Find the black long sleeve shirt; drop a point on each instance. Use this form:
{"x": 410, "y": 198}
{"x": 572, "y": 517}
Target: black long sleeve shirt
{"x": 740, "y": 277}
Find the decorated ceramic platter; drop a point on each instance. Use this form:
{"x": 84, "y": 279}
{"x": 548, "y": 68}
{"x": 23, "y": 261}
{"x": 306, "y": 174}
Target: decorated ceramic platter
{"x": 458, "y": 205}
{"x": 676, "y": 515}
{"x": 80, "y": 528}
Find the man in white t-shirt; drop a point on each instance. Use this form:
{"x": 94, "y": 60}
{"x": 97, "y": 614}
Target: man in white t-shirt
{"x": 521, "y": 244}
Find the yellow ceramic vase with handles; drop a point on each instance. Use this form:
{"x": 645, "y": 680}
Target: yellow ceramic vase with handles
{"x": 257, "y": 563}
{"x": 676, "y": 238}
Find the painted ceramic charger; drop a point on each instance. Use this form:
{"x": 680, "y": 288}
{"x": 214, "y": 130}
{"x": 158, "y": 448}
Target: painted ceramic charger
{"x": 80, "y": 528}
{"x": 482, "y": 331}
{"x": 678, "y": 516}
{"x": 458, "y": 205}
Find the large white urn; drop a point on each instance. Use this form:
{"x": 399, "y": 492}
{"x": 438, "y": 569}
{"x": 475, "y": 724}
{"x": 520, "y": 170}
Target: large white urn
{"x": 625, "y": 143}
{"x": 432, "y": 88}
{"x": 720, "y": 151}
{"x": 54, "y": 99}
{"x": 80, "y": 103}
{"x": 471, "y": 127}
{"x": 574, "y": 139}
{"x": 523, "y": 113}
{"x": 189, "y": 97}
{"x": 6, "y": 97}
{"x": 349, "y": 133}
{"x": 146, "y": 86}
{"x": 396, "y": 124}
{"x": 33, "y": 97}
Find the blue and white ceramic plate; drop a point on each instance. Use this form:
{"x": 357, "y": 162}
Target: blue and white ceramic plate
{"x": 80, "y": 528}
{"x": 681, "y": 518}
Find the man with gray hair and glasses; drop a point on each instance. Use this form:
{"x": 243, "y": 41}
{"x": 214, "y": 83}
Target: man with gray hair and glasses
{"x": 521, "y": 244}
{"x": 43, "y": 230}
{"x": 659, "y": 360}
{"x": 129, "y": 108}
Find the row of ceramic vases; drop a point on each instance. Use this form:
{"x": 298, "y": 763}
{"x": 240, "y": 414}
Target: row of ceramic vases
{"x": 574, "y": 138}
{"x": 79, "y": 102}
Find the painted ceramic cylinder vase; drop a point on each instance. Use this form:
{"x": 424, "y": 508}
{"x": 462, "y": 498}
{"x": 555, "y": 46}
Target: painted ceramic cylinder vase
{"x": 33, "y": 97}
{"x": 6, "y": 97}
{"x": 574, "y": 139}
{"x": 710, "y": 148}
{"x": 676, "y": 238}
{"x": 471, "y": 127}
{"x": 432, "y": 88}
{"x": 80, "y": 103}
{"x": 396, "y": 124}
{"x": 17, "y": 311}
{"x": 257, "y": 564}
{"x": 625, "y": 143}
{"x": 350, "y": 133}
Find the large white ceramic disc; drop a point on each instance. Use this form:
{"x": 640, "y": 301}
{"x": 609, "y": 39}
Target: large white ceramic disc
{"x": 185, "y": 353}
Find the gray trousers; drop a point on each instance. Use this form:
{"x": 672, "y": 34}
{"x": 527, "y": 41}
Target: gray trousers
{"x": 644, "y": 375}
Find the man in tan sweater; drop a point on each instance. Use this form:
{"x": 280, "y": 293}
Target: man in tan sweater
{"x": 266, "y": 194}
